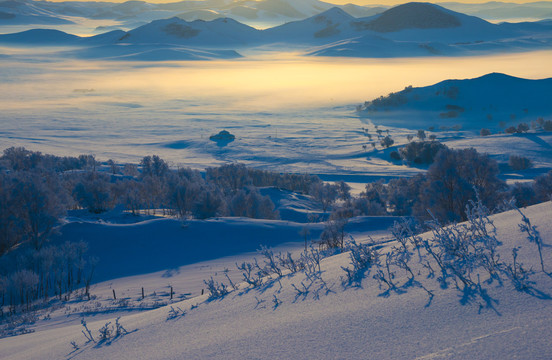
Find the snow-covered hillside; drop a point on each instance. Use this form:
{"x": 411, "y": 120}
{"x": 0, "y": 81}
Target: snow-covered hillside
{"x": 218, "y": 32}
{"x": 330, "y": 318}
{"x": 423, "y": 29}
{"x": 491, "y": 101}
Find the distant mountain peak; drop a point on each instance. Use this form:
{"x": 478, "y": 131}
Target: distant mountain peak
{"x": 413, "y": 15}
{"x": 334, "y": 14}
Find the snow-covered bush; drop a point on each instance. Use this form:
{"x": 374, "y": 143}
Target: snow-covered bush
{"x": 395, "y": 156}
{"x": 517, "y": 273}
{"x": 421, "y": 152}
{"x": 333, "y": 235}
{"x": 250, "y": 203}
{"x": 387, "y": 141}
{"x": 287, "y": 262}
{"x": 451, "y": 180}
{"x": 366, "y": 207}
{"x": 310, "y": 260}
{"x": 271, "y": 263}
{"x": 522, "y": 128}
{"x": 485, "y": 132}
{"x": 543, "y": 187}
{"x": 533, "y": 235}
{"x": 106, "y": 331}
{"x": 216, "y": 290}
{"x": 325, "y": 193}
{"x": 175, "y": 313}
{"x": 523, "y": 194}
{"x": 519, "y": 162}
{"x": 459, "y": 250}
{"x": 251, "y": 273}
{"x": 362, "y": 256}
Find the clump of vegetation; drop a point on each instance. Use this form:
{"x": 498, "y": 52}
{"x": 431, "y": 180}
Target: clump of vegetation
{"x": 394, "y": 155}
{"x": 545, "y": 125}
{"x": 520, "y": 129}
{"x": 223, "y": 135}
{"x": 485, "y": 132}
{"x": 464, "y": 256}
{"x": 519, "y": 162}
{"x": 393, "y": 99}
{"x": 387, "y": 141}
{"x": 421, "y": 152}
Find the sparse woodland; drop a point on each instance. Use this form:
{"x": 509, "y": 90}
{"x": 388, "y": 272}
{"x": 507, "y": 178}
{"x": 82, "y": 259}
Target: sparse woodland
{"x": 37, "y": 191}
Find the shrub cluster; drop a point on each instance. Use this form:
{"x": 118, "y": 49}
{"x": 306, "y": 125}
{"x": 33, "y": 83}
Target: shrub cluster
{"x": 421, "y": 152}
{"x": 519, "y": 162}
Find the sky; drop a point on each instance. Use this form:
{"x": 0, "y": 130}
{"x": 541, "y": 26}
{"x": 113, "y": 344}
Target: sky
{"x": 342, "y": 2}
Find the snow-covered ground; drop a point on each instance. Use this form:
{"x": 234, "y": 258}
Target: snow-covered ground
{"x": 288, "y": 114}
{"x": 274, "y": 322}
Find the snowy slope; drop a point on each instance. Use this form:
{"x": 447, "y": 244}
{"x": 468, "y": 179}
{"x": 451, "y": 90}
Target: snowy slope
{"x": 505, "y": 11}
{"x": 473, "y": 103}
{"x": 28, "y": 12}
{"x": 331, "y": 24}
{"x": 109, "y": 46}
{"x": 422, "y": 29}
{"x": 272, "y": 322}
{"x": 40, "y": 37}
{"x": 161, "y": 244}
{"x": 139, "y": 52}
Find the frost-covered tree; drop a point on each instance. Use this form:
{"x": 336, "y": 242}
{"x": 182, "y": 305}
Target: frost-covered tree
{"x": 325, "y": 193}
{"x": 519, "y": 162}
{"x": 452, "y": 180}
{"x": 250, "y": 203}
{"x": 154, "y": 166}
{"x": 543, "y": 187}
{"x": 209, "y": 203}
{"x": 522, "y": 128}
{"x": 523, "y": 194}
{"x": 421, "y": 152}
{"x": 485, "y": 132}
{"x": 93, "y": 192}
{"x": 333, "y": 235}
{"x": 387, "y": 141}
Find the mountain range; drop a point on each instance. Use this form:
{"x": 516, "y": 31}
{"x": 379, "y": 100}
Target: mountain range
{"x": 412, "y": 29}
{"x": 133, "y": 13}
{"x": 264, "y": 13}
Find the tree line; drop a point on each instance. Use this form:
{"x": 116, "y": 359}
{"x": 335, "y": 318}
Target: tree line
{"x": 37, "y": 190}
{"x": 453, "y": 179}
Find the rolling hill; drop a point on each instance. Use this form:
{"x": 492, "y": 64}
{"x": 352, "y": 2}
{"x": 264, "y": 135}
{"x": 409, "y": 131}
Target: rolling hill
{"x": 487, "y": 101}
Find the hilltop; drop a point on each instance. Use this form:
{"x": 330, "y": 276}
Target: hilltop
{"x": 492, "y": 101}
